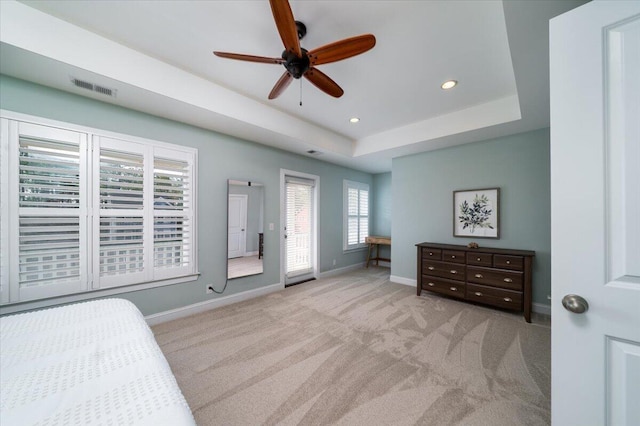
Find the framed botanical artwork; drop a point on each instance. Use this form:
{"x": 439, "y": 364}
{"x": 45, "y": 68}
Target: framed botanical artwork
{"x": 476, "y": 213}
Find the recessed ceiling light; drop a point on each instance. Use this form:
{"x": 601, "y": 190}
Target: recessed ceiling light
{"x": 354, "y": 120}
{"x": 449, "y": 84}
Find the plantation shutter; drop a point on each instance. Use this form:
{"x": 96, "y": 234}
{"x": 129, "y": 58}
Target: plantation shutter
{"x": 363, "y": 214}
{"x": 299, "y": 226}
{"x": 80, "y": 211}
{"x": 119, "y": 226}
{"x": 4, "y": 211}
{"x": 356, "y": 220}
{"x": 173, "y": 213}
{"x": 51, "y": 214}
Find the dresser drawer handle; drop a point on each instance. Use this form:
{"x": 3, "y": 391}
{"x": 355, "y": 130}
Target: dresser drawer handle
{"x": 478, "y": 276}
{"x": 430, "y": 253}
{"x": 478, "y": 259}
{"x": 431, "y": 268}
{"x": 453, "y": 256}
{"x": 507, "y": 299}
{"x": 453, "y": 271}
{"x": 508, "y": 262}
{"x": 477, "y": 293}
{"x": 508, "y": 280}
{"x": 453, "y": 289}
{"x": 430, "y": 284}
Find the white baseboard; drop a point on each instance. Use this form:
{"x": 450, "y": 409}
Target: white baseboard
{"x": 338, "y": 271}
{"x": 196, "y": 308}
{"x": 403, "y": 280}
{"x": 541, "y": 308}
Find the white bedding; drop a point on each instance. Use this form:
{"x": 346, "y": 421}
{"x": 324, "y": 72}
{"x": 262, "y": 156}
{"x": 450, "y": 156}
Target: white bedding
{"x": 93, "y": 363}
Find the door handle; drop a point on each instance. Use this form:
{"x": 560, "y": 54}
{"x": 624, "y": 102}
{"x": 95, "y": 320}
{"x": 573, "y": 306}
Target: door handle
{"x": 574, "y": 303}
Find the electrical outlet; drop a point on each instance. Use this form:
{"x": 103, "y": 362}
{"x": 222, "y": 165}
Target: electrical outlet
{"x": 271, "y": 227}
{"x": 209, "y": 289}
{"x": 334, "y": 262}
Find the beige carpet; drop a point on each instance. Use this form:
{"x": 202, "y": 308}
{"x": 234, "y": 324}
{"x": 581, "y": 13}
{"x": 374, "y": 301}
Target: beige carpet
{"x": 357, "y": 349}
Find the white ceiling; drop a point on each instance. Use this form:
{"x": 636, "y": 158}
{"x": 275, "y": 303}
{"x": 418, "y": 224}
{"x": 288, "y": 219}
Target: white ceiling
{"x": 158, "y": 55}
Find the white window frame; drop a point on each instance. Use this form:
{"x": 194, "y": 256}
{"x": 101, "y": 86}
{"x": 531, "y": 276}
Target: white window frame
{"x": 18, "y": 129}
{"x": 11, "y": 127}
{"x": 348, "y": 184}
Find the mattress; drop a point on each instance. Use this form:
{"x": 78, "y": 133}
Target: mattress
{"x": 92, "y": 363}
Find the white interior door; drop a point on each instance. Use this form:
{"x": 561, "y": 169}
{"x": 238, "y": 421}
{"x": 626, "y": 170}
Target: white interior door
{"x": 300, "y": 228}
{"x": 595, "y": 214}
{"x": 237, "y": 223}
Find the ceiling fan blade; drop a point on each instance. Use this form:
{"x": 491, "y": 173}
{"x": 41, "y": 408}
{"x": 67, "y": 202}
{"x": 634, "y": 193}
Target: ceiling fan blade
{"x": 281, "y": 84}
{"x": 286, "y": 26}
{"x": 249, "y": 58}
{"x": 342, "y": 49}
{"x": 323, "y": 82}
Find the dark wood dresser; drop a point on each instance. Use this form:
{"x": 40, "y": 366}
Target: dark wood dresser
{"x": 491, "y": 276}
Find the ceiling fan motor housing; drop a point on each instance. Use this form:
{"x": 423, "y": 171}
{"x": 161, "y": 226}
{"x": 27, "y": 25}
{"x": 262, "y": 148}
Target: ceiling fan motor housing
{"x": 296, "y": 66}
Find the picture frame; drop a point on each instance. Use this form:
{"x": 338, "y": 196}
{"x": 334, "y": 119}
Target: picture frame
{"x": 476, "y": 213}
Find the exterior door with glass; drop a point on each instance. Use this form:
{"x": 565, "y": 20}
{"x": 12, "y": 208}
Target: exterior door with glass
{"x": 300, "y": 218}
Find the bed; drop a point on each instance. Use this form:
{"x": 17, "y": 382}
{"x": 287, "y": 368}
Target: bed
{"x": 90, "y": 363}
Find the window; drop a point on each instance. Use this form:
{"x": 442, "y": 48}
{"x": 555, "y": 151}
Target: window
{"x": 356, "y": 214}
{"x": 92, "y": 212}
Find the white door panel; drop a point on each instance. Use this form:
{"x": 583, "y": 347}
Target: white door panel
{"x": 595, "y": 213}
{"x": 237, "y": 223}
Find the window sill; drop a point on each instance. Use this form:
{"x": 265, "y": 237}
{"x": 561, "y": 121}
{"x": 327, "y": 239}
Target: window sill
{"x": 353, "y": 250}
{"x": 16, "y": 307}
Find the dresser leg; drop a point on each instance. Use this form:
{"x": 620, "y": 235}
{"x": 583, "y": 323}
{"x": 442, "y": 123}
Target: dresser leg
{"x": 527, "y": 293}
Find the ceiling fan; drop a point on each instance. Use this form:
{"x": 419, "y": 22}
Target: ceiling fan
{"x": 300, "y": 62}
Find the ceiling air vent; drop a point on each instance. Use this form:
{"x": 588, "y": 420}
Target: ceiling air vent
{"x": 313, "y": 152}
{"x": 93, "y": 87}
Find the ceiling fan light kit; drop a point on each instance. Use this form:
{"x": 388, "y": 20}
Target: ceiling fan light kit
{"x": 299, "y": 62}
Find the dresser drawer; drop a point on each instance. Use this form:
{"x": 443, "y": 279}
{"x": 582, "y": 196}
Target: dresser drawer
{"x": 430, "y": 253}
{"x": 453, "y": 256}
{"x": 494, "y": 296}
{"x": 508, "y": 262}
{"x": 443, "y": 286}
{"x": 453, "y": 271}
{"x": 480, "y": 259}
{"x": 495, "y": 277}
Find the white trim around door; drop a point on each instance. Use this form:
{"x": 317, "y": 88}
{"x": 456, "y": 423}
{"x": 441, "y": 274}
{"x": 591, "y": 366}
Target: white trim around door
{"x": 284, "y": 175}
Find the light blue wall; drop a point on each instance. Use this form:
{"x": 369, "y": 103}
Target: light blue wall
{"x": 381, "y": 209}
{"x": 220, "y": 158}
{"x": 423, "y": 186}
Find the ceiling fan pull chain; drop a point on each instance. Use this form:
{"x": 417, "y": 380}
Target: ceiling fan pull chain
{"x": 300, "y": 92}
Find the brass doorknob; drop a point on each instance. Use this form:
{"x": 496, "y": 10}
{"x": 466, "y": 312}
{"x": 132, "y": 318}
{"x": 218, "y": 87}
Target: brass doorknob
{"x": 575, "y": 304}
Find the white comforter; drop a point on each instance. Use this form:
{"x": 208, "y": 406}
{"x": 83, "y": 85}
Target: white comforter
{"x": 93, "y": 363}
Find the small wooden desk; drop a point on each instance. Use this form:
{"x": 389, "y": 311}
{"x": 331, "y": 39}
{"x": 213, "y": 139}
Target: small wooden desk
{"x": 376, "y": 241}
